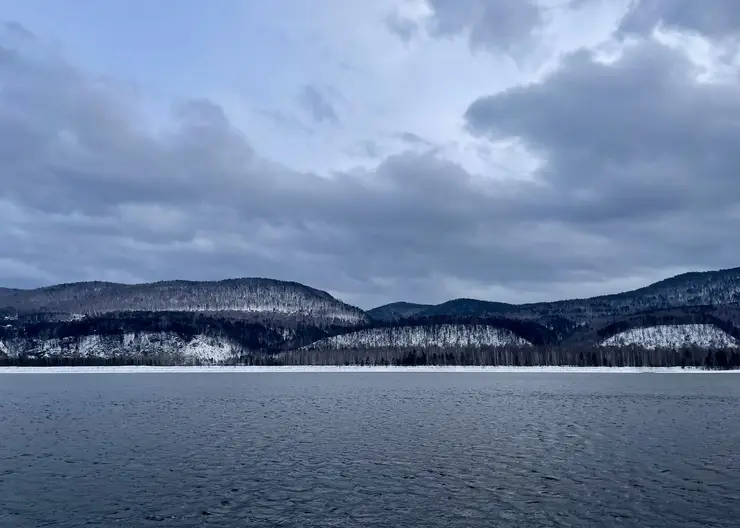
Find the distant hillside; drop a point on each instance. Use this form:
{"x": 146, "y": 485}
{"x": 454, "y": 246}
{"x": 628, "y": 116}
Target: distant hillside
{"x": 441, "y": 336}
{"x": 456, "y": 307}
{"x": 689, "y": 289}
{"x": 147, "y": 348}
{"x": 253, "y": 295}
{"x": 155, "y": 337}
{"x": 691, "y": 319}
{"x": 669, "y": 336}
{"x": 463, "y": 307}
{"x": 395, "y": 311}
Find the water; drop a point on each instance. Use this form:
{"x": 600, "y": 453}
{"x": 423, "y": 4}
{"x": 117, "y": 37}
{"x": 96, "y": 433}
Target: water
{"x": 369, "y": 449}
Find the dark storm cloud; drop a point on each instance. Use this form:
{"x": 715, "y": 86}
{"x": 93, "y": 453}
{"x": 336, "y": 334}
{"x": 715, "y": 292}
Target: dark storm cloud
{"x": 637, "y": 178}
{"x": 712, "y": 18}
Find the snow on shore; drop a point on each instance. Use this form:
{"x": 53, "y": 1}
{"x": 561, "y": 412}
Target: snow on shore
{"x": 328, "y": 368}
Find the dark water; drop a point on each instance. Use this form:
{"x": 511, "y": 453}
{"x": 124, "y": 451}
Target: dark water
{"x": 369, "y": 449}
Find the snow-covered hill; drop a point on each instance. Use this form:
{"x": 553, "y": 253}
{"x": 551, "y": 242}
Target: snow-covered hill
{"x": 673, "y": 337}
{"x": 238, "y": 295}
{"x": 444, "y": 335}
{"x": 164, "y": 347}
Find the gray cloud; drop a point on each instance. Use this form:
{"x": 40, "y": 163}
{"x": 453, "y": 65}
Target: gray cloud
{"x": 636, "y": 138}
{"x": 638, "y": 178}
{"x": 287, "y": 122}
{"x": 510, "y": 26}
{"x": 638, "y": 153}
{"x": 367, "y": 149}
{"x": 404, "y": 28}
{"x": 713, "y": 18}
{"x": 414, "y": 139}
{"x": 318, "y": 105}
{"x": 502, "y": 25}
{"x": 16, "y": 30}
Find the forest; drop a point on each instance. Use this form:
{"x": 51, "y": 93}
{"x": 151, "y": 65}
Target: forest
{"x": 275, "y": 339}
{"x": 479, "y": 356}
{"x": 513, "y": 356}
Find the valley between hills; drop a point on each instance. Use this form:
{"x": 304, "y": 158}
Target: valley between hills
{"x": 690, "y": 320}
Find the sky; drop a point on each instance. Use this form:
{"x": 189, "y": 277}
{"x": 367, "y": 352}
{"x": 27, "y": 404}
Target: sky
{"x": 417, "y": 150}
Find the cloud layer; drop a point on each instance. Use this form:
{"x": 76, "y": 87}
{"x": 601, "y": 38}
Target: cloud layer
{"x": 606, "y": 164}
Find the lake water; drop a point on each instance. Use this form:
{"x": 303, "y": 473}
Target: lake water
{"x": 369, "y": 449}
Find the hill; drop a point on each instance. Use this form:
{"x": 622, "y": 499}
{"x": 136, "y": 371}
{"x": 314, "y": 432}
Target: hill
{"x": 250, "y": 295}
{"x": 690, "y": 319}
{"x": 715, "y": 288}
{"x": 396, "y": 311}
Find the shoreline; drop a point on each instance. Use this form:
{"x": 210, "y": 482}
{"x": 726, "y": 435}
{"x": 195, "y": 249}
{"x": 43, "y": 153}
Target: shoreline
{"x": 356, "y": 369}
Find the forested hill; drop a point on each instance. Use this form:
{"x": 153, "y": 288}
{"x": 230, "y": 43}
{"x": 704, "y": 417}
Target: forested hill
{"x": 251, "y": 295}
{"x": 689, "y": 289}
{"x": 7, "y": 291}
{"x": 691, "y": 319}
{"x": 396, "y": 311}
{"x": 269, "y": 296}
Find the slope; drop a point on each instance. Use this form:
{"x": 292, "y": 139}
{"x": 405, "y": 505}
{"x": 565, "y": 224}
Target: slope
{"x": 720, "y": 287}
{"x": 396, "y": 310}
{"x": 252, "y": 295}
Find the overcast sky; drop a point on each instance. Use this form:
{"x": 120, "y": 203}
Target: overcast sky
{"x": 509, "y": 150}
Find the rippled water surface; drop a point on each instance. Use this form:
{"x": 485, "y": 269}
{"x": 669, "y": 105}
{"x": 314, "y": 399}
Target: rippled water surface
{"x": 369, "y": 449}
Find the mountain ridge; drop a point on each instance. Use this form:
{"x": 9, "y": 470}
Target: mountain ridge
{"x": 248, "y": 294}
{"x": 688, "y": 319}
{"x": 458, "y": 306}
{"x": 462, "y": 306}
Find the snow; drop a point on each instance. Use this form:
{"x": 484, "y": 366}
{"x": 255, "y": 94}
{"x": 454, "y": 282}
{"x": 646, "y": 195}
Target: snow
{"x": 444, "y": 335}
{"x": 673, "y": 336}
{"x": 357, "y": 369}
{"x": 205, "y": 348}
{"x": 153, "y": 344}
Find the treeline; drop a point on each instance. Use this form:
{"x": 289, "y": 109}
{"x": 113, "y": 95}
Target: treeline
{"x": 484, "y": 356}
{"x": 516, "y": 356}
